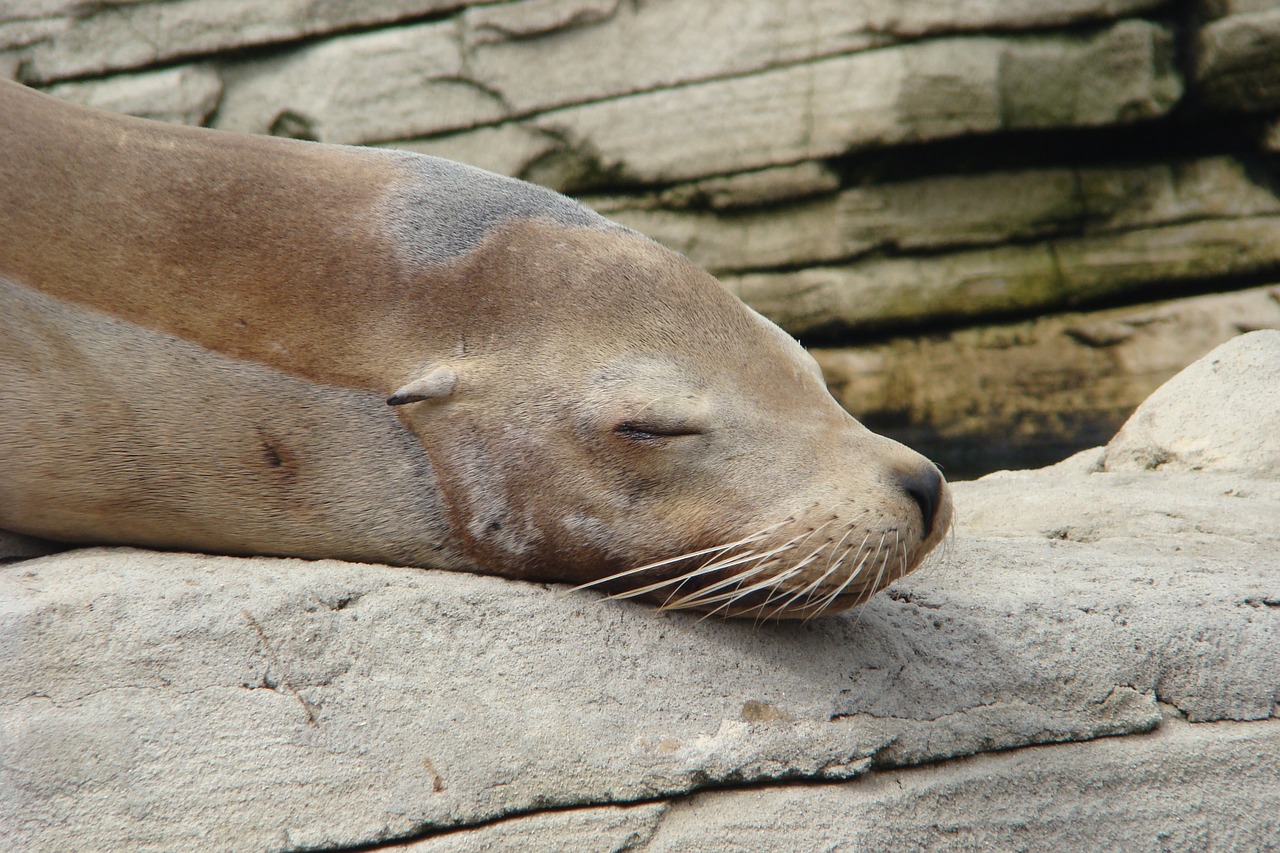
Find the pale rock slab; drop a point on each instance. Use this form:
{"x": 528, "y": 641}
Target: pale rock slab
{"x": 914, "y": 92}
{"x": 78, "y": 39}
{"x": 881, "y": 293}
{"x": 185, "y": 94}
{"x": 1220, "y": 414}
{"x": 664, "y": 43}
{"x": 1176, "y": 788}
{"x": 933, "y": 213}
{"x": 383, "y": 85}
{"x": 535, "y": 56}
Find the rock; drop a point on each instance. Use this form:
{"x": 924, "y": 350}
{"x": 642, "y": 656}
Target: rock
{"x": 909, "y": 93}
{"x": 1045, "y": 387}
{"x": 79, "y": 39}
{"x": 656, "y": 45}
{"x": 931, "y": 214}
{"x": 880, "y": 294}
{"x": 584, "y": 50}
{"x": 386, "y": 84}
{"x": 186, "y": 94}
{"x": 754, "y": 189}
{"x": 1220, "y": 414}
{"x": 883, "y": 294}
{"x": 1237, "y": 62}
{"x": 1116, "y": 794}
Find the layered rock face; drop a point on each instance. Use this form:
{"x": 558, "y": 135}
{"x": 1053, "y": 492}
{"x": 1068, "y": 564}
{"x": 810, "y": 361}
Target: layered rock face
{"x": 1092, "y": 663}
{"x": 902, "y": 183}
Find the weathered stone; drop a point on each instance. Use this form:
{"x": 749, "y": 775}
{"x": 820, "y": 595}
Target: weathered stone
{"x": 1223, "y": 8}
{"x": 127, "y": 34}
{"x": 1177, "y": 788}
{"x": 410, "y": 81}
{"x": 589, "y": 50}
{"x": 1107, "y": 265}
{"x": 584, "y": 49}
{"x": 1124, "y": 75}
{"x": 754, "y": 189}
{"x": 186, "y": 94}
{"x": 18, "y": 33}
{"x": 1046, "y": 387}
{"x": 889, "y": 293}
{"x": 949, "y": 211}
{"x": 1237, "y": 62}
{"x": 1176, "y": 191}
{"x": 926, "y": 90}
{"x": 886, "y": 293}
{"x": 1220, "y": 414}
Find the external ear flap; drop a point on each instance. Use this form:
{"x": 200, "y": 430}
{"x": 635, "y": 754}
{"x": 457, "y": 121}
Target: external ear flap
{"x": 436, "y": 383}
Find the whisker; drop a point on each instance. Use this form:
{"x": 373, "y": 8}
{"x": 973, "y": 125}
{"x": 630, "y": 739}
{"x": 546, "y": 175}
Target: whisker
{"x": 807, "y": 592}
{"x": 828, "y": 600}
{"x": 747, "y": 540}
{"x": 712, "y": 565}
{"x": 698, "y": 598}
{"x": 832, "y": 564}
{"x": 705, "y": 568}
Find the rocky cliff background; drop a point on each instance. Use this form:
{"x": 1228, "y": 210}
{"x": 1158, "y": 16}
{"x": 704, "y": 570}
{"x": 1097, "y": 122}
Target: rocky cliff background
{"x": 1002, "y": 223}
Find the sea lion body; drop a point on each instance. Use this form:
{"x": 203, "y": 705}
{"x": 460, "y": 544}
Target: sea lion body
{"x": 199, "y": 332}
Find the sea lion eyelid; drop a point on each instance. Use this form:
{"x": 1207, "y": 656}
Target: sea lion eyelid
{"x": 646, "y": 430}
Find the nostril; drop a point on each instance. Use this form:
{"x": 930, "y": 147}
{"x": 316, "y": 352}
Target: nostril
{"x": 924, "y": 485}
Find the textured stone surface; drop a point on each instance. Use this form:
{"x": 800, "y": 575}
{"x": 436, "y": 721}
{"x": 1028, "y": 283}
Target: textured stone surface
{"x": 71, "y": 39}
{"x": 1238, "y": 61}
{"x": 1121, "y": 794}
{"x": 895, "y": 292}
{"x": 932, "y": 214}
{"x": 161, "y": 701}
{"x": 920, "y": 91}
{"x": 1054, "y": 384}
{"x": 186, "y": 94}
{"x": 1220, "y": 414}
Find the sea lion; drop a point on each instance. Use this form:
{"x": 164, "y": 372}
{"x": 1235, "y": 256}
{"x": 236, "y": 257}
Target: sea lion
{"x": 200, "y": 334}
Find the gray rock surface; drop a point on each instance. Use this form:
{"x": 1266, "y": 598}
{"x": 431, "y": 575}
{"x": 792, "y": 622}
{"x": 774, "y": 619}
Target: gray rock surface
{"x": 924, "y": 90}
{"x": 57, "y": 39}
{"x": 184, "y": 94}
{"x": 892, "y": 293}
{"x": 1132, "y": 790}
{"x": 1220, "y": 414}
{"x": 936, "y": 213}
{"x": 159, "y": 701}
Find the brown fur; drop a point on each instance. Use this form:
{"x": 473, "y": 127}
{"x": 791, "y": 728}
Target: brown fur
{"x": 220, "y": 316}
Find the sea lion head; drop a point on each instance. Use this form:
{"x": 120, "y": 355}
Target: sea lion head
{"x": 609, "y": 414}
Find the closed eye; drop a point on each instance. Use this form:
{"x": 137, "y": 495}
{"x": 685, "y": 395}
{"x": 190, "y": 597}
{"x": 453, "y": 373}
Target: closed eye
{"x": 647, "y": 431}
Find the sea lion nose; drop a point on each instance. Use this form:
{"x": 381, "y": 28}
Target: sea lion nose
{"x": 924, "y": 484}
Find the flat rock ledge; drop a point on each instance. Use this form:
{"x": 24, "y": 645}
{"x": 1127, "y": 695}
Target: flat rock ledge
{"x": 1092, "y": 662}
